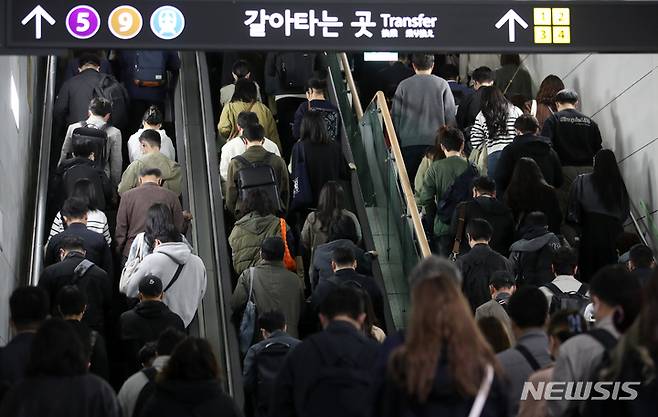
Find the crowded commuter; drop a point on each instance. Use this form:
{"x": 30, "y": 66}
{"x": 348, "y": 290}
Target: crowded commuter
{"x": 527, "y": 144}
{"x": 450, "y": 73}
{"x": 543, "y": 106}
{"x": 434, "y": 153}
{"x": 422, "y": 103}
{"x": 512, "y": 78}
{"x": 470, "y": 108}
{"x": 189, "y": 385}
{"x": 317, "y": 102}
{"x": 239, "y": 71}
{"x": 501, "y": 288}
{"x": 478, "y": 265}
{"x": 641, "y": 263}
{"x": 532, "y": 255}
{"x": 598, "y": 207}
{"x": 387, "y": 79}
{"x": 73, "y": 63}
{"x": 271, "y": 286}
{"x": 528, "y": 310}
{"x": 370, "y": 325}
{"x": 495, "y": 333}
{"x": 528, "y": 191}
{"x": 565, "y": 291}
{"x": 57, "y": 382}
{"x": 342, "y": 349}
{"x": 152, "y": 120}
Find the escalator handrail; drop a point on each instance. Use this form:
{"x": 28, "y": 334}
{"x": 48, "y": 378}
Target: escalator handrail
{"x": 356, "y": 101}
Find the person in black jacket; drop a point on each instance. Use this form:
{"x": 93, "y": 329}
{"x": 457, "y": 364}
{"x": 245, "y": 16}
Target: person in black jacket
{"x": 529, "y": 145}
{"x": 485, "y": 205}
{"x": 147, "y": 320}
{"x": 95, "y": 282}
{"x": 480, "y": 263}
{"x": 469, "y": 109}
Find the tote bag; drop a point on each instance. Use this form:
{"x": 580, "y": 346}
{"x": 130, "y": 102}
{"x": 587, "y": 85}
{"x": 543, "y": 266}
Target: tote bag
{"x": 302, "y": 195}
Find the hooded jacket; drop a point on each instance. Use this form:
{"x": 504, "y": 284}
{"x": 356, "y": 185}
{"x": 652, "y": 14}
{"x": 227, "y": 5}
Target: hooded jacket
{"x": 175, "y": 398}
{"x": 184, "y": 296}
{"x": 246, "y": 237}
{"x": 532, "y": 256}
{"x": 496, "y": 213}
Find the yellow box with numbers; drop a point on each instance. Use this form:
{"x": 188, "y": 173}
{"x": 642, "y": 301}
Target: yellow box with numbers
{"x": 542, "y": 16}
{"x": 561, "y": 34}
{"x": 561, "y": 16}
{"x": 543, "y": 34}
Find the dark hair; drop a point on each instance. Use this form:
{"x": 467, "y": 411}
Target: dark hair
{"x": 272, "y": 321}
{"x": 245, "y": 91}
{"x": 150, "y": 172}
{"x": 451, "y": 138}
{"x": 152, "y": 137}
{"x": 422, "y": 62}
{"x": 253, "y": 132}
{"x": 147, "y": 354}
{"x": 607, "y": 181}
{"x": 342, "y": 300}
{"x": 479, "y": 229}
{"x": 84, "y": 189}
{"x": 272, "y": 249}
{"x": 549, "y": 87}
{"x": 495, "y": 109}
{"x": 501, "y": 279}
{"x": 526, "y": 123}
{"x": 57, "y": 351}
{"x": 160, "y": 225}
{"x": 343, "y": 227}
{"x": 258, "y": 201}
{"x": 343, "y": 256}
{"x": 331, "y": 204}
{"x": 565, "y": 324}
{"x": 641, "y": 256}
{"x": 495, "y": 333}
{"x": 449, "y": 71}
{"x": 435, "y": 153}
{"x": 528, "y": 307}
{"x": 483, "y": 75}
{"x": 649, "y": 315}
{"x": 510, "y": 59}
{"x": 247, "y": 118}
{"x": 536, "y": 219}
{"x": 617, "y": 287}
{"x": 565, "y": 261}
{"x": 485, "y": 185}
{"x": 153, "y": 116}
{"x": 100, "y": 107}
{"x": 567, "y": 96}
{"x": 82, "y": 146}
{"x": 434, "y": 267}
{"x": 527, "y": 179}
{"x": 317, "y": 84}
{"x": 191, "y": 360}
{"x": 74, "y": 208}
{"x": 72, "y": 243}
{"x": 168, "y": 340}
{"x": 70, "y": 300}
{"x": 89, "y": 58}
{"x": 28, "y": 306}
{"x": 314, "y": 128}
{"x": 240, "y": 69}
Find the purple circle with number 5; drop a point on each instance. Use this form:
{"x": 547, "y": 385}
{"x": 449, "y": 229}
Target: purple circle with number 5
{"x": 83, "y": 22}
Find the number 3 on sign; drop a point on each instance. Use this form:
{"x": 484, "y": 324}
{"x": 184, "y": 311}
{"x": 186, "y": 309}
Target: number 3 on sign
{"x": 543, "y": 34}
{"x": 125, "y": 22}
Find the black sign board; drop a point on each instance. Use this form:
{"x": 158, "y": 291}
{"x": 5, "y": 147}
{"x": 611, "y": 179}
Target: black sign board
{"x": 461, "y": 26}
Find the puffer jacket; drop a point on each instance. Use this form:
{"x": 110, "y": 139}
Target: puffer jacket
{"x": 247, "y": 235}
{"x": 532, "y": 256}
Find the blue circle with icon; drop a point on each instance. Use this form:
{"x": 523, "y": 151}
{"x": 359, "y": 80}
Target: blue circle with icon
{"x": 167, "y": 22}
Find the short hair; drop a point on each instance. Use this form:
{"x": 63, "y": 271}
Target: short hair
{"x": 451, "y": 138}
{"x": 240, "y": 68}
{"x": 57, "y": 350}
{"x": 343, "y": 256}
{"x": 82, "y": 146}
{"x": 526, "y": 123}
{"x": 565, "y": 261}
{"x": 74, "y": 208}
{"x": 536, "y": 218}
{"x": 342, "y": 301}
{"x": 272, "y": 249}
{"x": 191, "y": 360}
{"x": 254, "y": 133}
{"x": 432, "y": 267}
{"x": 70, "y": 300}
{"x": 89, "y": 58}
{"x": 641, "y": 256}
{"x": 151, "y": 172}
{"x": 612, "y": 283}
{"x": 484, "y": 184}
{"x": 72, "y": 243}
{"x": 501, "y": 279}
{"x": 147, "y": 354}
{"x": 152, "y": 137}
{"x": 168, "y": 340}
{"x": 423, "y": 62}
{"x": 479, "y": 229}
{"x": 28, "y": 306}
{"x": 567, "y": 96}
{"x": 100, "y": 106}
{"x": 271, "y": 321}
{"x": 528, "y": 307}
{"x": 483, "y": 75}
{"x": 317, "y": 84}
{"x": 343, "y": 227}
{"x": 247, "y": 118}
{"x": 449, "y": 71}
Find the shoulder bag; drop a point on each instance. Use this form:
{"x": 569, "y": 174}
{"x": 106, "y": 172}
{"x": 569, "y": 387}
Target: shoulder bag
{"x": 248, "y": 322}
{"x": 131, "y": 266}
{"x": 483, "y": 393}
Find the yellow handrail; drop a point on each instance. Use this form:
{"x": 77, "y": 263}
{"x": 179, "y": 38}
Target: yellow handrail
{"x": 356, "y": 101}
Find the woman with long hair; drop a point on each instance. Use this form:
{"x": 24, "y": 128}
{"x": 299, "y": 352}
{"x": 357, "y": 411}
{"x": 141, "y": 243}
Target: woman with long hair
{"x": 598, "y": 207}
{"x": 528, "y": 192}
{"x": 544, "y": 103}
{"x": 494, "y": 125}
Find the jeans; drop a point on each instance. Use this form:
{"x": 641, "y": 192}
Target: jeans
{"x": 492, "y": 163}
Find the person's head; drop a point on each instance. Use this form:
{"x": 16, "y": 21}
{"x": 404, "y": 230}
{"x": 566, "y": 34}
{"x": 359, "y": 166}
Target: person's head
{"x": 616, "y": 293}
{"x": 270, "y": 322}
{"x": 528, "y": 309}
{"x": 649, "y": 314}
{"x": 159, "y": 222}
{"x": 150, "y": 140}
{"x": 71, "y": 244}
{"x": 452, "y": 140}
{"x": 422, "y": 63}
{"x": 85, "y": 190}
{"x": 331, "y": 203}
{"x": 89, "y": 60}
{"x": 495, "y": 109}
{"x": 640, "y": 256}
{"x": 501, "y": 282}
{"x": 343, "y": 227}
{"x": 240, "y": 70}
{"x": 28, "y": 308}
{"x": 253, "y": 135}
{"x": 150, "y": 175}
{"x": 344, "y": 304}
{"x": 245, "y": 91}
{"x": 526, "y": 124}
{"x": 82, "y": 144}
{"x": 565, "y": 261}
{"x": 527, "y": 179}
{"x": 449, "y": 72}
{"x": 549, "y": 87}
{"x": 435, "y": 153}
{"x": 562, "y": 326}
{"x": 74, "y": 210}
{"x": 510, "y": 59}
{"x": 257, "y": 201}
{"x": 316, "y": 88}
{"x": 343, "y": 258}
{"x": 71, "y": 302}
{"x": 495, "y": 333}
{"x": 147, "y": 354}
{"x": 150, "y": 288}
{"x": 153, "y": 118}
{"x": 566, "y": 99}
{"x": 314, "y": 128}
{"x": 191, "y": 360}
{"x": 434, "y": 267}
{"x": 478, "y": 231}
{"x": 168, "y": 340}
{"x": 484, "y": 186}
{"x": 607, "y": 181}
{"x": 246, "y": 118}
{"x": 272, "y": 249}
{"x": 57, "y": 351}
{"x": 100, "y": 107}
{"x": 482, "y": 77}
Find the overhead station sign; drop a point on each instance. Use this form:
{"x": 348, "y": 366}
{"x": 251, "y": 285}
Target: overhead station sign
{"x": 575, "y": 26}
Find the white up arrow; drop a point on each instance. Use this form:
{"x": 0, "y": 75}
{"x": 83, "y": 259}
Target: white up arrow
{"x": 510, "y": 17}
{"x": 37, "y": 14}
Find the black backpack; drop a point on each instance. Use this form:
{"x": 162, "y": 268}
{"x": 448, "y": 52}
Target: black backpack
{"x": 150, "y": 69}
{"x": 460, "y": 190}
{"x": 147, "y": 391}
{"x": 294, "y": 69}
{"x": 269, "y": 362}
{"x": 258, "y": 175}
{"x": 575, "y": 300}
{"x": 97, "y": 137}
{"x": 110, "y": 89}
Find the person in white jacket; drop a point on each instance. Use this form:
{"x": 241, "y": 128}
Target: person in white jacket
{"x": 184, "y": 289}
{"x": 152, "y": 119}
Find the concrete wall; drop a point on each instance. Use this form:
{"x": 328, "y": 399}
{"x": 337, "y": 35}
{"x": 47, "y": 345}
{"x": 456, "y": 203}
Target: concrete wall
{"x": 619, "y": 91}
{"x": 16, "y": 157}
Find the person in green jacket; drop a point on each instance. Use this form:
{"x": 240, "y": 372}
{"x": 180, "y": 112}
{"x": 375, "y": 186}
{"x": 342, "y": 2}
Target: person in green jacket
{"x": 152, "y": 158}
{"x": 439, "y": 177}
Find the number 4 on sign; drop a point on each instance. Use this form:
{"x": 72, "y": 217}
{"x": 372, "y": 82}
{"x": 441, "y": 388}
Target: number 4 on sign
{"x": 37, "y": 14}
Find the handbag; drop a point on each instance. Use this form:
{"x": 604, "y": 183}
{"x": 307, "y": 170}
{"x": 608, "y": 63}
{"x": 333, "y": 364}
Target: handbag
{"x": 302, "y": 196}
{"x": 130, "y": 267}
{"x": 483, "y": 393}
{"x": 479, "y": 157}
{"x": 456, "y": 246}
{"x": 248, "y": 322}
{"x": 288, "y": 260}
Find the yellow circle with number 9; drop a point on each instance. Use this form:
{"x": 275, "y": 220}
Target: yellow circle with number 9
{"x": 125, "y": 22}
